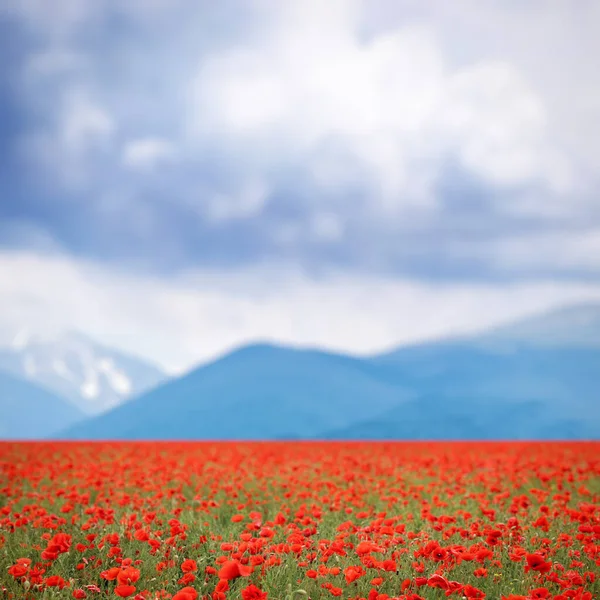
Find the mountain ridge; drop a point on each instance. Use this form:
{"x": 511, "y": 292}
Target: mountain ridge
{"x": 268, "y": 375}
{"x": 510, "y": 381}
{"x": 460, "y": 387}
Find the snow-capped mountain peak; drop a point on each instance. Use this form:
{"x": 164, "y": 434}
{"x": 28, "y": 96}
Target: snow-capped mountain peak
{"x": 91, "y": 376}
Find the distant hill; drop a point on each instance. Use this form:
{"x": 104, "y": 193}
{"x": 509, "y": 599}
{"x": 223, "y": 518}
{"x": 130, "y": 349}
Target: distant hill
{"x": 470, "y": 393}
{"x": 92, "y": 377}
{"x": 529, "y": 380}
{"x": 257, "y": 392}
{"x": 29, "y": 412}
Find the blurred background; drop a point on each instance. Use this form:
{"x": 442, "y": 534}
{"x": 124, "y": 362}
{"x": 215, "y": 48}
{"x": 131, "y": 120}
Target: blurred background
{"x": 181, "y": 178}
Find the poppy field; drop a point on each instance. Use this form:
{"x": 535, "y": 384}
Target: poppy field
{"x": 378, "y": 521}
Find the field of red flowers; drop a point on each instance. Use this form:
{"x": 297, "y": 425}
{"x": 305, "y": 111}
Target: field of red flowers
{"x": 377, "y": 521}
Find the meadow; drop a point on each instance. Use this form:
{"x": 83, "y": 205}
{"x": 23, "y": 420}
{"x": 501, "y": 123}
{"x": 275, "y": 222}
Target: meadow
{"x": 377, "y": 521}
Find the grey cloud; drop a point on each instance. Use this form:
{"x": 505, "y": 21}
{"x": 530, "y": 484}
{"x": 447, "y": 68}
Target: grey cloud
{"x": 400, "y": 137}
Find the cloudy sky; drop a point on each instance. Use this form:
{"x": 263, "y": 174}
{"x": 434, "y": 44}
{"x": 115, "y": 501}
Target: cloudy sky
{"x": 181, "y": 176}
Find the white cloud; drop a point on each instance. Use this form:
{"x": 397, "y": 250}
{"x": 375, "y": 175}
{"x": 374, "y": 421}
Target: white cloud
{"x": 350, "y": 108}
{"x": 147, "y": 152}
{"x": 396, "y": 107}
{"x": 553, "y": 43}
{"x": 348, "y": 94}
{"x": 249, "y": 201}
{"x": 182, "y": 321}
{"x": 498, "y": 125}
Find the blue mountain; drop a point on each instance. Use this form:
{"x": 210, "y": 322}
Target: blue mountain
{"x": 517, "y": 382}
{"x": 29, "y": 412}
{"x": 260, "y": 391}
{"x": 469, "y": 392}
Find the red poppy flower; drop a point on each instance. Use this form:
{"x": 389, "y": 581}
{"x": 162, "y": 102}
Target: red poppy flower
{"x": 437, "y": 581}
{"x": 189, "y": 565}
{"x": 128, "y": 575}
{"x": 536, "y": 562}
{"x": 186, "y": 593}
{"x": 124, "y": 591}
{"x": 56, "y": 581}
{"x": 232, "y": 569}
{"x": 253, "y": 592}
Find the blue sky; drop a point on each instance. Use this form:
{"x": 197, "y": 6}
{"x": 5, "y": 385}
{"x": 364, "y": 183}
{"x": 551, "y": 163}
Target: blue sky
{"x": 179, "y": 177}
